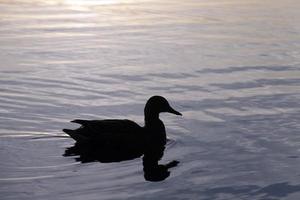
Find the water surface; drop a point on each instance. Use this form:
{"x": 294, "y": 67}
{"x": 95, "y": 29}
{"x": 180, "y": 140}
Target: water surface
{"x": 231, "y": 67}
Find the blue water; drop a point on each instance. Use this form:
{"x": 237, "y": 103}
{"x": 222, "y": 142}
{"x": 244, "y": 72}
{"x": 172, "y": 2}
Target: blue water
{"x": 231, "y": 67}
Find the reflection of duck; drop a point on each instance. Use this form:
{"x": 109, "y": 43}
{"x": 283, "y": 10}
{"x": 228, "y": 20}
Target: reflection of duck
{"x": 117, "y": 140}
{"x": 152, "y": 170}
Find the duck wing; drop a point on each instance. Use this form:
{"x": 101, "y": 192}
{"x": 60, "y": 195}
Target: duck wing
{"x": 106, "y": 131}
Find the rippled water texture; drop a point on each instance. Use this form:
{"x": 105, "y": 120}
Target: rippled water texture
{"x": 231, "y": 67}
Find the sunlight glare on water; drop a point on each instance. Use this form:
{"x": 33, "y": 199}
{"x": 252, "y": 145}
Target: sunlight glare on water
{"x": 231, "y": 67}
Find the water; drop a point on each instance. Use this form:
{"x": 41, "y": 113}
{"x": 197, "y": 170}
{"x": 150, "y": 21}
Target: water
{"x": 231, "y": 67}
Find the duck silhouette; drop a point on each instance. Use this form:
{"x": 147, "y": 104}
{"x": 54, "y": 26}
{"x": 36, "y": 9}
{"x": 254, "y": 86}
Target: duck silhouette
{"x": 115, "y": 140}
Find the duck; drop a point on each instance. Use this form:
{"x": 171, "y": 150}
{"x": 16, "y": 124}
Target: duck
{"x": 123, "y": 135}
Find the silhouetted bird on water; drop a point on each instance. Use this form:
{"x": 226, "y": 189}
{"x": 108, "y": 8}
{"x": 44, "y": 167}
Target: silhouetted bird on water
{"x": 114, "y": 140}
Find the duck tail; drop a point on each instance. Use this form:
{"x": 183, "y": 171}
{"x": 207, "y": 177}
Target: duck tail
{"x": 68, "y": 131}
{"x": 79, "y": 121}
{"x": 76, "y": 136}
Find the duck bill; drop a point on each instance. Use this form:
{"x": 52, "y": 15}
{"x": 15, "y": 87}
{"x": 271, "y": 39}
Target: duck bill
{"x": 171, "y": 110}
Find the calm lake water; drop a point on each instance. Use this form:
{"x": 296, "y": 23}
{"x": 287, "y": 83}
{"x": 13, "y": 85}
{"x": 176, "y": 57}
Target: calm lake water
{"x": 231, "y": 67}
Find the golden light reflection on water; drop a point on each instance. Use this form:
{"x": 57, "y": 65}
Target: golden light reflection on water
{"x": 84, "y": 4}
{"x": 93, "y": 2}
{"x": 118, "y": 12}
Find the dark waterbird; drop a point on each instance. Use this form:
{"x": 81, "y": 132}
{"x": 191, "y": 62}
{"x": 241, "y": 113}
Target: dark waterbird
{"x": 114, "y": 140}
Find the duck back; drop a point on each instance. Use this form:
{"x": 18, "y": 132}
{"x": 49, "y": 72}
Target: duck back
{"x": 106, "y": 131}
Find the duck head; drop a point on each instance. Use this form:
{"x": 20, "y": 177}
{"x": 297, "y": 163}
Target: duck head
{"x": 156, "y": 105}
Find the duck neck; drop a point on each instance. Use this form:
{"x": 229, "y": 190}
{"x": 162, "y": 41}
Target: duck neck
{"x": 151, "y": 117}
